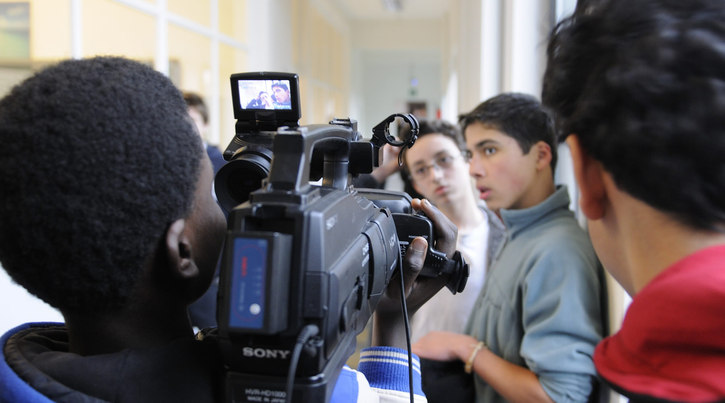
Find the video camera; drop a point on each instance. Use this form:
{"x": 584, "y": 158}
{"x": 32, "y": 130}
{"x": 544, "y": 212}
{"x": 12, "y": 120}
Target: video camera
{"x": 304, "y": 265}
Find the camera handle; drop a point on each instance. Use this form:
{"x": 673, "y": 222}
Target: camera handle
{"x": 290, "y": 170}
{"x": 381, "y": 134}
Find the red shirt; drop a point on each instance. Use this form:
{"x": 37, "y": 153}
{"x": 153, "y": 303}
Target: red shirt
{"x": 672, "y": 341}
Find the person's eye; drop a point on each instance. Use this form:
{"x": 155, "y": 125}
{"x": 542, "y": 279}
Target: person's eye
{"x": 444, "y": 161}
{"x": 420, "y": 171}
{"x": 489, "y": 151}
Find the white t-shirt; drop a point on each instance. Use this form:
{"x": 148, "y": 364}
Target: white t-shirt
{"x": 448, "y": 312}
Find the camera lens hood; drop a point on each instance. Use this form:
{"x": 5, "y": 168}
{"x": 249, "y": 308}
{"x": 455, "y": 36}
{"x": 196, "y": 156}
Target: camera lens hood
{"x": 242, "y": 175}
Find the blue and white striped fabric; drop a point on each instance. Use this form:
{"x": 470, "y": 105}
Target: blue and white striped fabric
{"x": 386, "y": 370}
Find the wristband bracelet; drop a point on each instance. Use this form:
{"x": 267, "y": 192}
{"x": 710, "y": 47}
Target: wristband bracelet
{"x": 476, "y": 348}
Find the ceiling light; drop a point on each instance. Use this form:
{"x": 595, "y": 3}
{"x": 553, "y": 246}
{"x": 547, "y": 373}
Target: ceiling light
{"x": 393, "y": 5}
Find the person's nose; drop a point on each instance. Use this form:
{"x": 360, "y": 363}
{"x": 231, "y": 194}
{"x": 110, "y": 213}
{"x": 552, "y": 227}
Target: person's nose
{"x": 475, "y": 168}
{"x": 437, "y": 172}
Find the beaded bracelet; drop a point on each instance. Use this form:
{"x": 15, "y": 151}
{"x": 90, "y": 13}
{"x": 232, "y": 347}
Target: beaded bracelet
{"x": 476, "y": 348}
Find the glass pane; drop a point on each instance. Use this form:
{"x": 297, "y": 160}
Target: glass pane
{"x": 110, "y": 28}
{"x": 195, "y": 10}
{"x": 190, "y": 54}
{"x": 15, "y": 32}
{"x": 232, "y": 19}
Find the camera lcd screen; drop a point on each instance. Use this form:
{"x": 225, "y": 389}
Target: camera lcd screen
{"x": 264, "y": 94}
{"x": 271, "y": 97}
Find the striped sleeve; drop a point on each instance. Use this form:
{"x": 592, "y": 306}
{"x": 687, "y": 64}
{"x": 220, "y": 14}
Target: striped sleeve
{"x": 386, "y": 370}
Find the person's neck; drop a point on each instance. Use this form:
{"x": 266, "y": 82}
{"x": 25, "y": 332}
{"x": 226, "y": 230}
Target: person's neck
{"x": 137, "y": 328}
{"x": 640, "y": 242}
{"x": 654, "y": 242}
{"x": 543, "y": 186}
{"x": 465, "y": 215}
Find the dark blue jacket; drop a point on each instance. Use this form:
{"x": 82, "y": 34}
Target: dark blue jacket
{"x": 35, "y": 366}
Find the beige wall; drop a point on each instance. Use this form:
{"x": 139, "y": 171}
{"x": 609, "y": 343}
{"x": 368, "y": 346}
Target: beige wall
{"x": 49, "y": 29}
{"x": 200, "y": 49}
{"x": 321, "y": 56}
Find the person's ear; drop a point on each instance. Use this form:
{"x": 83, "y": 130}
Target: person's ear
{"x": 179, "y": 251}
{"x": 589, "y": 177}
{"x": 543, "y": 155}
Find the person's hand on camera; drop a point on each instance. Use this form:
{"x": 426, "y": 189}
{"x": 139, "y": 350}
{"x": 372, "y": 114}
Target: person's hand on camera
{"x": 421, "y": 289}
{"x": 388, "y": 322}
{"x": 389, "y": 163}
{"x": 446, "y": 231}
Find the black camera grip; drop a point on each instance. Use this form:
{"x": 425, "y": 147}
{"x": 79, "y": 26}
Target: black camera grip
{"x": 437, "y": 264}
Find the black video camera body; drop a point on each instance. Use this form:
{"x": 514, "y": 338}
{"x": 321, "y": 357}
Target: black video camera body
{"x": 300, "y": 256}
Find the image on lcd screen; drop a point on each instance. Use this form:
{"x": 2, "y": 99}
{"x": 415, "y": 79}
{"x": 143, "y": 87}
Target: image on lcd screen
{"x": 264, "y": 94}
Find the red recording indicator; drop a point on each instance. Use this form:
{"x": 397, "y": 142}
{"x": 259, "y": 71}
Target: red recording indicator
{"x": 244, "y": 266}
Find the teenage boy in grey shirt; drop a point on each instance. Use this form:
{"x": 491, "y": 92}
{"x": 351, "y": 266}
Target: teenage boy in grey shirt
{"x": 533, "y": 330}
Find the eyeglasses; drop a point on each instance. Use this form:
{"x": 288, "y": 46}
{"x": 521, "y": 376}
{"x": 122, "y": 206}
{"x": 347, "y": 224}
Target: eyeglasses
{"x": 442, "y": 162}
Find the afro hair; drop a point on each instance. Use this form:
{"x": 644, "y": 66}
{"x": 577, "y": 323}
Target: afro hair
{"x": 98, "y": 158}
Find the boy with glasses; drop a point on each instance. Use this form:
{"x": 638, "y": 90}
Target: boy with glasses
{"x": 437, "y": 170}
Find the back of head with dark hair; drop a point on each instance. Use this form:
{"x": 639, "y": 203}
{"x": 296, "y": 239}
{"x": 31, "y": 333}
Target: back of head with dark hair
{"x": 194, "y": 100}
{"x": 517, "y": 115}
{"x": 98, "y": 158}
{"x": 643, "y": 87}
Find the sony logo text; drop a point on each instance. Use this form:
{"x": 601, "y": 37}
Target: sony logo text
{"x": 265, "y": 353}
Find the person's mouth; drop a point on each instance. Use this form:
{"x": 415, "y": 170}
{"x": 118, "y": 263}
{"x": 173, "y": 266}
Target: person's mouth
{"x": 440, "y": 190}
{"x": 484, "y": 193}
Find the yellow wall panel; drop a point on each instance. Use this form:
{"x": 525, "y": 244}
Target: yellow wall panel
{"x": 321, "y": 54}
{"x": 232, "y": 17}
{"x": 110, "y": 28}
{"x": 50, "y": 30}
{"x": 230, "y": 61}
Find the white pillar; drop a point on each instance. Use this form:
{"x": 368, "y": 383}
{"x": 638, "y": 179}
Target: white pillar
{"x": 491, "y": 36}
{"x": 76, "y": 26}
{"x": 524, "y": 33}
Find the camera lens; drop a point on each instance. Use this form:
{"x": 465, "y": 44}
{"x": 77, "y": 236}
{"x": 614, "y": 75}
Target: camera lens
{"x": 241, "y": 176}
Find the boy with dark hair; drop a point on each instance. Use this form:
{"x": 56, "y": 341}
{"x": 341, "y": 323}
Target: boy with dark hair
{"x": 520, "y": 117}
{"x": 532, "y": 333}
{"x": 281, "y": 95}
{"x": 639, "y": 88}
{"x": 121, "y": 243}
{"x": 200, "y": 115}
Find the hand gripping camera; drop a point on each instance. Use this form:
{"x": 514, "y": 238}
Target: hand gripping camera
{"x": 303, "y": 265}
